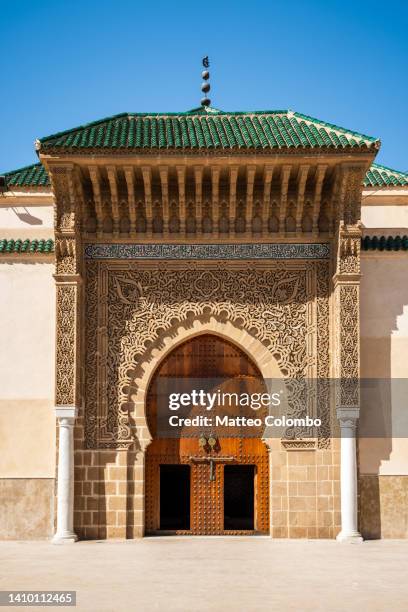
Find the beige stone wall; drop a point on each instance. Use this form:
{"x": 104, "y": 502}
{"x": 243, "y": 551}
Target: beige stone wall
{"x": 27, "y": 438}
{"x": 27, "y": 324}
{"x": 384, "y": 351}
{"x": 27, "y": 330}
{"x": 381, "y": 215}
{"x": 385, "y": 209}
{"x": 383, "y": 506}
{"x": 383, "y": 462}
{"x": 384, "y": 314}
{"x": 26, "y": 508}
{"x": 25, "y": 218}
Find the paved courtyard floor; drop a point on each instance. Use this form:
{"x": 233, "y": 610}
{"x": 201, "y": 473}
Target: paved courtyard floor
{"x": 214, "y": 574}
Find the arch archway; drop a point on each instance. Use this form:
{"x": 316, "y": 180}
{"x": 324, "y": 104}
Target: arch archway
{"x": 199, "y": 482}
{"x": 257, "y": 352}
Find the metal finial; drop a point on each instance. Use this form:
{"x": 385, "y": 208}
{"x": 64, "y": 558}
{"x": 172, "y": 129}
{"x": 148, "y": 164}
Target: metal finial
{"x": 205, "y": 86}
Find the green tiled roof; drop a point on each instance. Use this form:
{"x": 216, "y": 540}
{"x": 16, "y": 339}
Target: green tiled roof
{"x": 380, "y": 176}
{"x": 210, "y": 129}
{"x": 34, "y": 175}
{"x": 382, "y": 243}
{"x": 26, "y": 246}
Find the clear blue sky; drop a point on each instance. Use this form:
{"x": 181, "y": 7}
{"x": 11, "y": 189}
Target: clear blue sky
{"x": 65, "y": 63}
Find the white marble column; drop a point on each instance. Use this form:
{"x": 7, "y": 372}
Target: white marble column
{"x": 65, "y": 505}
{"x": 348, "y": 475}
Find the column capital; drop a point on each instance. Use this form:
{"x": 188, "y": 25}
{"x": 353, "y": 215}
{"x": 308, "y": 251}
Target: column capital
{"x": 68, "y": 279}
{"x": 348, "y": 413}
{"x": 343, "y": 278}
{"x": 66, "y": 412}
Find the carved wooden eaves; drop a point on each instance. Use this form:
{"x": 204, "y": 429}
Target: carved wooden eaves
{"x": 228, "y": 199}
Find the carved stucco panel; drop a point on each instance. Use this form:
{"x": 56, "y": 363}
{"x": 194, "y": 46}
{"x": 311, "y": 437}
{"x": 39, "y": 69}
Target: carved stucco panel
{"x": 346, "y": 315}
{"x": 129, "y": 308}
{"x": 348, "y": 345}
{"x": 66, "y": 255}
{"x": 65, "y": 353}
{"x": 348, "y": 259}
{"x": 323, "y": 352}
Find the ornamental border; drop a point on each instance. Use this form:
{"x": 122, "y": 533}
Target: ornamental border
{"x": 318, "y": 250}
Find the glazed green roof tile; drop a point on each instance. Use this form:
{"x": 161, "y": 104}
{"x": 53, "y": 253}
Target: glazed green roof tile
{"x": 8, "y": 246}
{"x": 207, "y": 129}
{"x": 384, "y": 243}
{"x": 381, "y": 176}
{"x": 34, "y": 176}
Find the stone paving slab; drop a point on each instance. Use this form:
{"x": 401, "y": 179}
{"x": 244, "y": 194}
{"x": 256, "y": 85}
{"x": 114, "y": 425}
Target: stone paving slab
{"x": 195, "y": 574}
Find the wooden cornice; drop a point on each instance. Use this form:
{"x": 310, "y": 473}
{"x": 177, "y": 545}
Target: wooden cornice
{"x": 147, "y": 182}
{"x": 268, "y": 174}
{"x": 250, "y": 176}
{"x": 233, "y": 176}
{"x": 86, "y": 209}
{"x": 337, "y": 201}
{"x": 320, "y": 173}
{"x": 286, "y": 169}
{"x": 130, "y": 183}
{"x": 181, "y": 181}
{"x": 113, "y": 185}
{"x": 215, "y": 183}
{"x": 301, "y": 185}
{"x": 96, "y": 188}
{"x": 198, "y": 183}
{"x": 138, "y": 199}
{"x": 164, "y": 181}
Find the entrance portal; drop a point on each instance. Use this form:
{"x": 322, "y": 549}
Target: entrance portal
{"x": 195, "y": 488}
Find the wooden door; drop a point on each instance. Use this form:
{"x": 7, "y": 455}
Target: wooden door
{"x": 207, "y": 356}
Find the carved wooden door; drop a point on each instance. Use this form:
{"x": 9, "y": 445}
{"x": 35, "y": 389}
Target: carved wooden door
{"x": 206, "y": 356}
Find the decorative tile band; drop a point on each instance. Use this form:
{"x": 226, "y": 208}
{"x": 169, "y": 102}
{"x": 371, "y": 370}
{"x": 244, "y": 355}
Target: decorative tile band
{"x": 8, "y": 245}
{"x": 208, "y": 251}
{"x": 385, "y": 243}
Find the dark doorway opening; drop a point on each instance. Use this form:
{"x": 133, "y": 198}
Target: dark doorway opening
{"x": 174, "y": 497}
{"x": 239, "y": 496}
